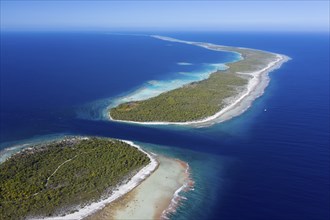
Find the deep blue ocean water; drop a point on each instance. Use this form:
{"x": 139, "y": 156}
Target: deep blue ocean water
{"x": 260, "y": 165}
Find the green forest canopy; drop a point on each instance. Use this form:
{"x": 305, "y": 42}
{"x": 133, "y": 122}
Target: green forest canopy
{"x": 90, "y": 169}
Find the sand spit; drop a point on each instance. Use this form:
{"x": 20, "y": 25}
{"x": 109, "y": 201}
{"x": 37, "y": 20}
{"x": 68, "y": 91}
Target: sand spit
{"x": 155, "y": 197}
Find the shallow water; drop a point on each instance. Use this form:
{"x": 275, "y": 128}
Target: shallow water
{"x": 270, "y": 164}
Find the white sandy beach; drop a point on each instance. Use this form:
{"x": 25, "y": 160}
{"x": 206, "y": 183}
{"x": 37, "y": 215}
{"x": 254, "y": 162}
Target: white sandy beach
{"x": 119, "y": 192}
{"x": 155, "y": 197}
{"x": 254, "y": 89}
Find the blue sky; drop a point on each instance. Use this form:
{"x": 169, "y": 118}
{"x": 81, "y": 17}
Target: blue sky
{"x": 166, "y": 15}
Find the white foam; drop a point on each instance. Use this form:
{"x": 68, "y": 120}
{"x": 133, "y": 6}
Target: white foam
{"x": 187, "y": 186}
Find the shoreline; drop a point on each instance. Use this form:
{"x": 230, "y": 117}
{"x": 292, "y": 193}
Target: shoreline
{"x": 118, "y": 193}
{"x": 170, "y": 179}
{"x": 13, "y": 147}
{"x": 176, "y": 199}
{"x": 239, "y": 104}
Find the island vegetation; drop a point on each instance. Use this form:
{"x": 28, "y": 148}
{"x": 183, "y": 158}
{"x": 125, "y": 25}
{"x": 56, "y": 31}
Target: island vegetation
{"x": 60, "y": 177}
{"x": 196, "y": 100}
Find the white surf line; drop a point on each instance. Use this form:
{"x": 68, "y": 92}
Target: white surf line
{"x": 187, "y": 185}
{"x": 117, "y": 193}
{"x": 252, "y": 84}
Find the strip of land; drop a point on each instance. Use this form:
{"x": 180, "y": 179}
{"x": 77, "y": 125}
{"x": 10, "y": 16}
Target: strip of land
{"x": 223, "y": 95}
{"x": 155, "y": 197}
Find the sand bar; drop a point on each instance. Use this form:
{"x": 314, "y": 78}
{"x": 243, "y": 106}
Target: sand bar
{"x": 155, "y": 197}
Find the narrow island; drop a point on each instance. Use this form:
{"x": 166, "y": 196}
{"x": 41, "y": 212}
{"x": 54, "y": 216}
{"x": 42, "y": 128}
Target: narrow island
{"x": 225, "y": 94}
{"x": 85, "y": 177}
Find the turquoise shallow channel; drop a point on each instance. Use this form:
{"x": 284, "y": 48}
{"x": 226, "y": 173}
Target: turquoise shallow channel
{"x": 272, "y": 161}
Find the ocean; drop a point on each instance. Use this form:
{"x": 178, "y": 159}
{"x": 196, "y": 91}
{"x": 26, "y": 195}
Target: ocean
{"x": 271, "y": 164}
